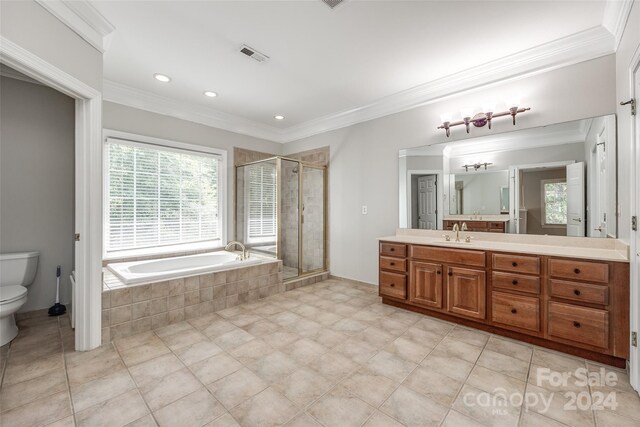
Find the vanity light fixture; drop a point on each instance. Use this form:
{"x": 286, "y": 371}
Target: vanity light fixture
{"x": 481, "y": 119}
{"x": 476, "y": 166}
{"x": 162, "y": 78}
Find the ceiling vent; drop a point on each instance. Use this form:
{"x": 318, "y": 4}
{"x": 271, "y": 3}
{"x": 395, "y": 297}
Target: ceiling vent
{"x": 332, "y": 3}
{"x": 253, "y": 54}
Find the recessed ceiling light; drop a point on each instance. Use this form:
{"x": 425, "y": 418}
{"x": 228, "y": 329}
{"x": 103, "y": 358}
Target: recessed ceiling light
{"x": 210, "y": 94}
{"x": 278, "y": 117}
{"x": 162, "y": 78}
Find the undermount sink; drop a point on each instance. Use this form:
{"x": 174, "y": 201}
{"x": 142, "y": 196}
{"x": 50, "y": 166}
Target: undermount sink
{"x": 453, "y": 242}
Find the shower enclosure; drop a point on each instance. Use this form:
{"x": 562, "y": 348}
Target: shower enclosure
{"x": 280, "y": 211}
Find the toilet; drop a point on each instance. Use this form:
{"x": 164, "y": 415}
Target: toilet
{"x": 17, "y": 270}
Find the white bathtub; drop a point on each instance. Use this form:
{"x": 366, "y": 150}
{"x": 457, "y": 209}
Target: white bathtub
{"x": 157, "y": 270}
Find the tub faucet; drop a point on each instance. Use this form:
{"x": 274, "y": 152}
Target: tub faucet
{"x": 245, "y": 252}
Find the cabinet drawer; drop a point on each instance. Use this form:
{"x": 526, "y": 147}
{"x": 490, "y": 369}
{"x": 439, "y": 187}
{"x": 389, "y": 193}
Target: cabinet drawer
{"x": 452, "y": 256}
{"x": 516, "y": 263}
{"x": 583, "y": 292}
{"x": 515, "y": 310}
{"x": 579, "y": 270}
{"x": 516, "y": 282}
{"x": 393, "y": 285}
{"x": 582, "y": 325}
{"x": 477, "y": 226}
{"x": 393, "y": 249}
{"x": 396, "y": 264}
{"x": 497, "y": 225}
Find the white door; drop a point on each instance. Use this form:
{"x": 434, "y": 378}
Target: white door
{"x": 575, "y": 199}
{"x": 427, "y": 202}
{"x": 634, "y": 357}
{"x": 600, "y": 229}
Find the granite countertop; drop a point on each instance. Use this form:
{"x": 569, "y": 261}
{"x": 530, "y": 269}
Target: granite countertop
{"x": 587, "y": 248}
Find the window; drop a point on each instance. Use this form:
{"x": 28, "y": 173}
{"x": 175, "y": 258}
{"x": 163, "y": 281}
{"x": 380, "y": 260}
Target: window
{"x": 261, "y": 202}
{"x": 159, "y": 196}
{"x": 554, "y": 198}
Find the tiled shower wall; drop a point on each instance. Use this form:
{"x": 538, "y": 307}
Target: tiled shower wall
{"x": 128, "y": 310}
{"x": 313, "y": 224}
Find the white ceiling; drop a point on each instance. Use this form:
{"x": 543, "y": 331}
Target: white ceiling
{"x": 323, "y": 61}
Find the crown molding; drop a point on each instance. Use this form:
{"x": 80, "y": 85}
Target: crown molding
{"x": 583, "y": 46}
{"x": 137, "y": 98}
{"x": 616, "y": 15}
{"x": 83, "y": 18}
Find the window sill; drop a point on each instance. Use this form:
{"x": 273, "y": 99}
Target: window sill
{"x": 163, "y": 250}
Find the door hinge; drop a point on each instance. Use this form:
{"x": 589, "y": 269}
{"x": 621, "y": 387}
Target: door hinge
{"x": 76, "y": 237}
{"x": 634, "y": 223}
{"x": 633, "y": 105}
{"x": 634, "y": 339}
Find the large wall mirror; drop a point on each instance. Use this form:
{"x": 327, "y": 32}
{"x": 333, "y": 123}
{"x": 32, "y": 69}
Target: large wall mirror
{"x": 554, "y": 180}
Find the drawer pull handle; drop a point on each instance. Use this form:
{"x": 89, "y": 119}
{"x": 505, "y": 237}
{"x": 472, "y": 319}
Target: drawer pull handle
{"x": 514, "y": 311}
{"x": 439, "y": 272}
{"x": 514, "y": 282}
{"x": 577, "y": 271}
{"x": 392, "y": 285}
{"x": 392, "y": 263}
{"x": 515, "y": 264}
{"x": 450, "y": 274}
{"x": 577, "y": 292}
{"x": 392, "y": 249}
{"x": 577, "y": 324}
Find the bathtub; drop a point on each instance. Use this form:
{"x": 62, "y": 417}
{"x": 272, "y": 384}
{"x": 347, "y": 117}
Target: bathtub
{"x": 156, "y": 270}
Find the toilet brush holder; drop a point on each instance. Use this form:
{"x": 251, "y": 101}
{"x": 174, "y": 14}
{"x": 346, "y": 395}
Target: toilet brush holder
{"x": 57, "y": 309}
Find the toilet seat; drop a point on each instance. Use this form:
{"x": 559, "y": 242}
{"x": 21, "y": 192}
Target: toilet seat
{"x": 9, "y": 294}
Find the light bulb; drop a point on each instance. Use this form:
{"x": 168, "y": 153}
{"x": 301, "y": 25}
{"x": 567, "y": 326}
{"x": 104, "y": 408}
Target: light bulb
{"x": 513, "y": 101}
{"x": 489, "y": 107}
{"x": 466, "y": 112}
{"x": 445, "y": 117}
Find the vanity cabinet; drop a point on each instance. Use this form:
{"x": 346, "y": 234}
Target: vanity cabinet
{"x": 466, "y": 292}
{"x": 477, "y": 225}
{"x": 573, "y": 305}
{"x": 392, "y": 278}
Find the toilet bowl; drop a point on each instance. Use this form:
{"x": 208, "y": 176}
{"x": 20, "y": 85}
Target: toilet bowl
{"x": 17, "y": 271}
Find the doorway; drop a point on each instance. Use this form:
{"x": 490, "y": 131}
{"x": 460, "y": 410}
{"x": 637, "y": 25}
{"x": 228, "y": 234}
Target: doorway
{"x": 423, "y": 209}
{"x": 88, "y": 185}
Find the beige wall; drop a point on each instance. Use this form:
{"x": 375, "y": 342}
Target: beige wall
{"x": 575, "y": 92}
{"x": 629, "y": 45}
{"x": 140, "y": 122}
{"x": 37, "y": 182}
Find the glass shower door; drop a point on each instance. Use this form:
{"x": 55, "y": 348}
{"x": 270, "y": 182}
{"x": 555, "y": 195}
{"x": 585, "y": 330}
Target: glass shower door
{"x": 313, "y": 214}
{"x": 289, "y": 229}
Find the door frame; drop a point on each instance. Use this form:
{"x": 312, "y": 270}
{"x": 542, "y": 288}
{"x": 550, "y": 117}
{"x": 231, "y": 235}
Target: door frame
{"x": 88, "y": 185}
{"x": 634, "y": 238}
{"x": 514, "y": 188}
{"x": 439, "y": 195}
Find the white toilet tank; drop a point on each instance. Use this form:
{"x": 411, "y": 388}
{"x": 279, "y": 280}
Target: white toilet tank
{"x": 18, "y": 268}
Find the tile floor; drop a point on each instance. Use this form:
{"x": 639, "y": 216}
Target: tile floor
{"x": 327, "y": 354}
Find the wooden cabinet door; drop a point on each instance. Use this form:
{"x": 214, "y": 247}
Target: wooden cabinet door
{"x": 466, "y": 292}
{"x": 425, "y": 284}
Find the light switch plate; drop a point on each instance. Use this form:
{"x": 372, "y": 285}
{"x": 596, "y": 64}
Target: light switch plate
{"x": 364, "y": 209}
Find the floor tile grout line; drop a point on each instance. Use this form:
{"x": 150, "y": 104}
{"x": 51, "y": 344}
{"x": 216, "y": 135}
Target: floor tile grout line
{"x": 117, "y": 350}
{"x": 66, "y": 375}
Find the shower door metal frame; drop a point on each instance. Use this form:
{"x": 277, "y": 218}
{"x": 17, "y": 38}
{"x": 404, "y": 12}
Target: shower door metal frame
{"x": 301, "y": 166}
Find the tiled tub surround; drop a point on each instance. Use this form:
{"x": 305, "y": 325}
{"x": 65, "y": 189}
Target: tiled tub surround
{"x": 131, "y": 309}
{"x": 329, "y": 354}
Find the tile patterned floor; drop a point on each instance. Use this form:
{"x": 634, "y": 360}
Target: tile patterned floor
{"x": 328, "y": 354}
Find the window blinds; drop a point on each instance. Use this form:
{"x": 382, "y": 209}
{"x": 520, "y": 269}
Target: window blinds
{"x": 262, "y": 217}
{"x": 159, "y": 196}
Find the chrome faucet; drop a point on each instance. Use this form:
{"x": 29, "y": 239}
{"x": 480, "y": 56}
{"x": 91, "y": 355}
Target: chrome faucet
{"x": 245, "y": 252}
{"x": 456, "y": 229}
